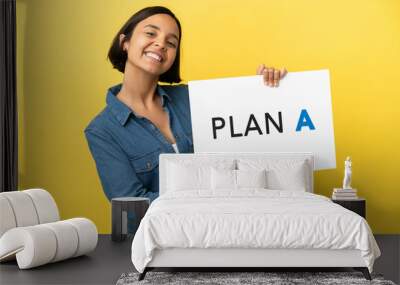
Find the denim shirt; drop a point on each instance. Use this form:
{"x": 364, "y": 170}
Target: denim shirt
{"x": 126, "y": 146}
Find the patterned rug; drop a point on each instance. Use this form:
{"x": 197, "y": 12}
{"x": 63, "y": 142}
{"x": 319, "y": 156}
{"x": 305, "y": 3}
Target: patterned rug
{"x": 244, "y": 278}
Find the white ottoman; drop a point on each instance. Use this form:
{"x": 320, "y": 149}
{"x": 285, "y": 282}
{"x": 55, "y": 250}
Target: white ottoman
{"x": 31, "y": 232}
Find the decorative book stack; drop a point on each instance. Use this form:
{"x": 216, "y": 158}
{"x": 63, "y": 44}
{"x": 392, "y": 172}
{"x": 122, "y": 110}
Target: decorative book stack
{"x": 344, "y": 194}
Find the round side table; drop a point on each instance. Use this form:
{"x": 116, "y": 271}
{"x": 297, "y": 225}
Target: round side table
{"x": 120, "y": 207}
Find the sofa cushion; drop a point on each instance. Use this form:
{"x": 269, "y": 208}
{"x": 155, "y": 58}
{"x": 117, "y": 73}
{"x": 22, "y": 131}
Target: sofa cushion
{"x": 27, "y": 208}
{"x": 7, "y": 215}
{"x": 31, "y": 233}
{"x": 45, "y": 205}
{"x": 40, "y": 244}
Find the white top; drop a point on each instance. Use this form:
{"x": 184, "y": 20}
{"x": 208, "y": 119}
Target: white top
{"x": 129, "y": 199}
{"x": 175, "y": 147}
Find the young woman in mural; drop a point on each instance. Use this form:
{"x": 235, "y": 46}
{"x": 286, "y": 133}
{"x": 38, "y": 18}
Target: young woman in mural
{"x": 143, "y": 119}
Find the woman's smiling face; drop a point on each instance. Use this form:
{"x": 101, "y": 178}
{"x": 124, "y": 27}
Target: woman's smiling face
{"x": 153, "y": 44}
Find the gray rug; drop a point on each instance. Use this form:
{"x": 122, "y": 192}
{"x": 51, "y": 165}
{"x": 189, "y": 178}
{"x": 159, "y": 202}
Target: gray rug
{"x": 269, "y": 278}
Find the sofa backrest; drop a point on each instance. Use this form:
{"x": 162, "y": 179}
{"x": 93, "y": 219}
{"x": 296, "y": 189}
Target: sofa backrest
{"x": 26, "y": 208}
{"x": 232, "y": 159}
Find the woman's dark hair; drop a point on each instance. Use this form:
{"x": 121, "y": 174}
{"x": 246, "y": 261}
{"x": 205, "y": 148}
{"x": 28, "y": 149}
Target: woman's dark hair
{"x": 118, "y": 56}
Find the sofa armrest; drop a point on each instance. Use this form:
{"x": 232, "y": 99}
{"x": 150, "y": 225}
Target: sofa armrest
{"x": 40, "y": 244}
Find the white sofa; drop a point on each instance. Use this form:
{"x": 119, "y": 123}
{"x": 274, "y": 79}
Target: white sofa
{"x": 31, "y": 231}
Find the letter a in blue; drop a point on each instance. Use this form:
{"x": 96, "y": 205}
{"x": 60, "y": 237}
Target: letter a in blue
{"x": 304, "y": 121}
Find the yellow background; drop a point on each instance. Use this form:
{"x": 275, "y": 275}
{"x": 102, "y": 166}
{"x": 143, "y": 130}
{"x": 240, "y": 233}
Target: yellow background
{"x": 63, "y": 75}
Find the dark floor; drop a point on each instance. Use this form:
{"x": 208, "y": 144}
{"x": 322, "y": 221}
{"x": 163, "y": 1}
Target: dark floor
{"x": 102, "y": 266}
{"x": 388, "y": 263}
{"x": 110, "y": 260}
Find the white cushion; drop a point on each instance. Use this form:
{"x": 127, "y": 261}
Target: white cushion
{"x": 26, "y": 208}
{"x": 87, "y": 234}
{"x": 32, "y": 246}
{"x": 40, "y": 244}
{"x": 183, "y": 178}
{"x": 66, "y": 236}
{"x": 251, "y": 178}
{"x": 187, "y": 173}
{"x": 193, "y": 174}
{"x": 288, "y": 179}
{"x": 223, "y": 179}
{"x": 31, "y": 233}
{"x": 46, "y": 207}
{"x": 7, "y": 218}
{"x": 227, "y": 179}
{"x": 190, "y": 160}
{"x": 282, "y": 174}
{"x": 23, "y": 208}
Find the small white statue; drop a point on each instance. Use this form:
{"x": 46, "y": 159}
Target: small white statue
{"x": 347, "y": 174}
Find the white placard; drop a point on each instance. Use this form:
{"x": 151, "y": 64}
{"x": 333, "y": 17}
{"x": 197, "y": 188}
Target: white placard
{"x": 242, "y": 114}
